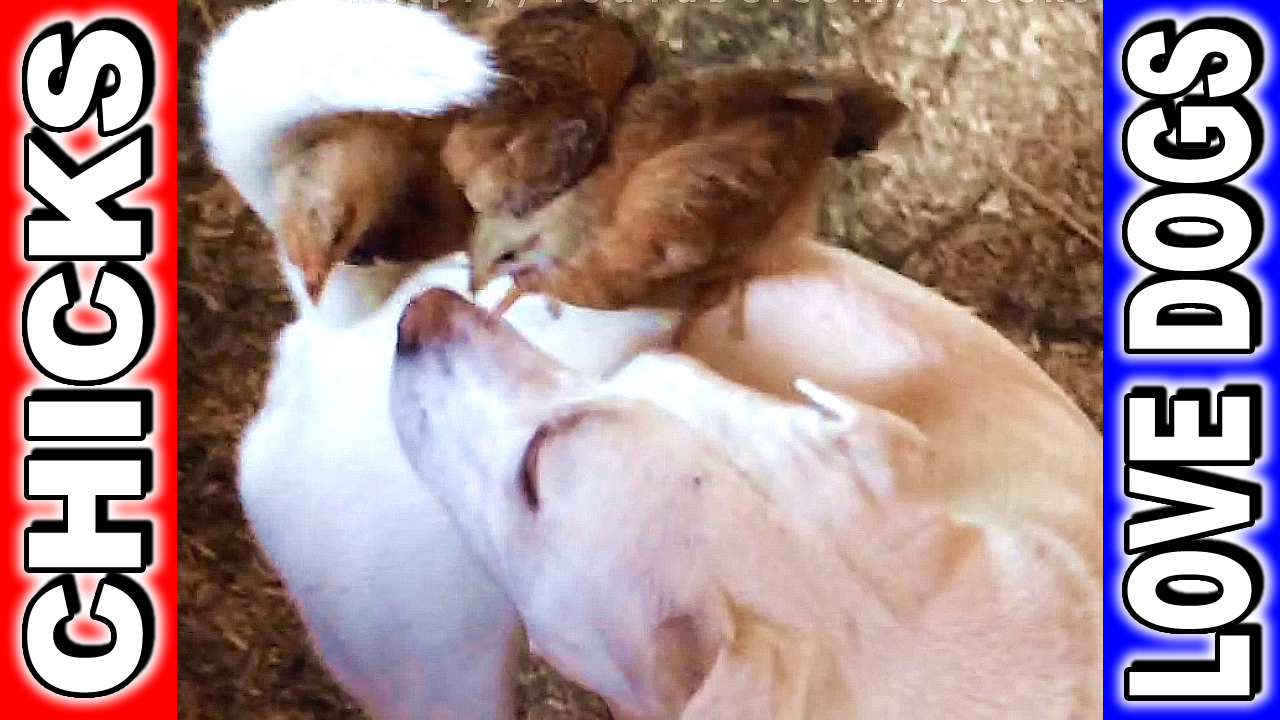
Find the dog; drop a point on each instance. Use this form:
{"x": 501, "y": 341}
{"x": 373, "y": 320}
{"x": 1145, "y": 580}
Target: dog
{"x": 692, "y": 549}
{"x": 400, "y": 610}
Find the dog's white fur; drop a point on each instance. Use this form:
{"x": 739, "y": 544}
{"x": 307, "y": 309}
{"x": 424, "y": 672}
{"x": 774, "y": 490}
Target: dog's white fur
{"x": 701, "y": 550}
{"x": 322, "y": 476}
{"x": 1019, "y": 452}
{"x": 335, "y": 503}
{"x": 401, "y": 612}
{"x": 399, "y": 608}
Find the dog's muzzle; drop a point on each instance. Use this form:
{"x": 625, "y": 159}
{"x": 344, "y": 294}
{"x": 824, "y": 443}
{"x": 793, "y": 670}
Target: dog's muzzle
{"x": 432, "y": 319}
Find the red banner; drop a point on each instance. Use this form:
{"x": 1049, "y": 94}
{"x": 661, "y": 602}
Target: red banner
{"x": 88, "y": 577}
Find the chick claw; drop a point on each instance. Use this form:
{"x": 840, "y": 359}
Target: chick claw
{"x": 513, "y": 294}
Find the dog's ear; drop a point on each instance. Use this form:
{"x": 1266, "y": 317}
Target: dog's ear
{"x": 762, "y": 673}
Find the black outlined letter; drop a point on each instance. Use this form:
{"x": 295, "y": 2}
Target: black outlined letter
{"x": 88, "y": 415}
{"x": 82, "y": 219}
{"x": 1225, "y": 53}
{"x": 110, "y": 67}
{"x": 1199, "y": 504}
{"x": 75, "y": 358}
{"x": 86, "y": 539}
{"x": 1182, "y": 432}
{"x": 87, "y": 671}
{"x": 1152, "y": 240}
{"x": 1215, "y": 142}
{"x": 1152, "y": 598}
{"x": 1234, "y": 673}
{"x": 1202, "y": 314}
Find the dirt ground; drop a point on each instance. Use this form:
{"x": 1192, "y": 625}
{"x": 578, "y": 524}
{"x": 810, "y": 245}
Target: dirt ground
{"x": 991, "y": 193}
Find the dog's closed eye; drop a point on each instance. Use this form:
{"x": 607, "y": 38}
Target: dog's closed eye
{"x": 529, "y": 465}
{"x": 528, "y": 474}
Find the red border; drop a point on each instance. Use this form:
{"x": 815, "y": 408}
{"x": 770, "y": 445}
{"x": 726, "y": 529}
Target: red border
{"x": 154, "y": 692}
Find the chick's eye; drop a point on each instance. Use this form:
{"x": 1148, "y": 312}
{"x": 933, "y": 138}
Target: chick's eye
{"x": 507, "y": 257}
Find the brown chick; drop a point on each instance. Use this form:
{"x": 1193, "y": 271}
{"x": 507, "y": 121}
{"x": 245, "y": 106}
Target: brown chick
{"x": 704, "y": 176}
{"x": 564, "y": 69}
{"x": 355, "y": 187}
{"x": 359, "y": 186}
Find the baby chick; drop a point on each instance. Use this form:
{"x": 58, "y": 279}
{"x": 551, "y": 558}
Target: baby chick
{"x": 704, "y": 175}
{"x": 358, "y": 186}
{"x": 564, "y": 69}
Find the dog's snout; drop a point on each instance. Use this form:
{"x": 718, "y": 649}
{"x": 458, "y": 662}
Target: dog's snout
{"x": 431, "y": 319}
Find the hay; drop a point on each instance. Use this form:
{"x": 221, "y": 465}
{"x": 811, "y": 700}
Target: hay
{"x": 996, "y": 91}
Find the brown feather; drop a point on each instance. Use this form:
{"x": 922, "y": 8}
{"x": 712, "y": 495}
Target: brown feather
{"x": 359, "y": 186}
{"x": 565, "y": 69}
{"x": 704, "y": 176}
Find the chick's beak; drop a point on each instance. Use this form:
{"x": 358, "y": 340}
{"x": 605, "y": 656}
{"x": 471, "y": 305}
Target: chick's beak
{"x": 480, "y": 278}
{"x": 315, "y": 283}
{"x": 315, "y": 265}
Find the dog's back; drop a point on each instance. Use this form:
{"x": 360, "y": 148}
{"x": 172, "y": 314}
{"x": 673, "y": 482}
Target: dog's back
{"x": 948, "y": 619}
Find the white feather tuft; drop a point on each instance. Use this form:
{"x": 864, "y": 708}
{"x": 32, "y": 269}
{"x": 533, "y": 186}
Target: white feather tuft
{"x": 276, "y": 66}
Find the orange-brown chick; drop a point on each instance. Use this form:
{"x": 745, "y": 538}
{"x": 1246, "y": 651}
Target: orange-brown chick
{"x": 355, "y": 187}
{"x": 564, "y": 69}
{"x": 359, "y": 186}
{"x": 704, "y": 175}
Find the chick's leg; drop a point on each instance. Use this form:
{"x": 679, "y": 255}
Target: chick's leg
{"x": 554, "y": 307}
{"x": 513, "y": 294}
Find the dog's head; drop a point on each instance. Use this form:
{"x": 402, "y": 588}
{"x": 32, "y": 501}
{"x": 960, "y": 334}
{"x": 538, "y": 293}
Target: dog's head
{"x": 648, "y": 566}
{"x": 467, "y": 394}
{"x": 632, "y": 546}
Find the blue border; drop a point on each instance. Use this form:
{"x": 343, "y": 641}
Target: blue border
{"x": 1125, "y": 639}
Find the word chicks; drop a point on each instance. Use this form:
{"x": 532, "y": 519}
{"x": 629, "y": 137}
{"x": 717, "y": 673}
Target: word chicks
{"x": 1197, "y": 132}
{"x": 106, "y": 71}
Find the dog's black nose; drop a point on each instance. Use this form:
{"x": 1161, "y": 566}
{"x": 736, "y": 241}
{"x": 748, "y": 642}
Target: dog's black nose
{"x": 430, "y": 319}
